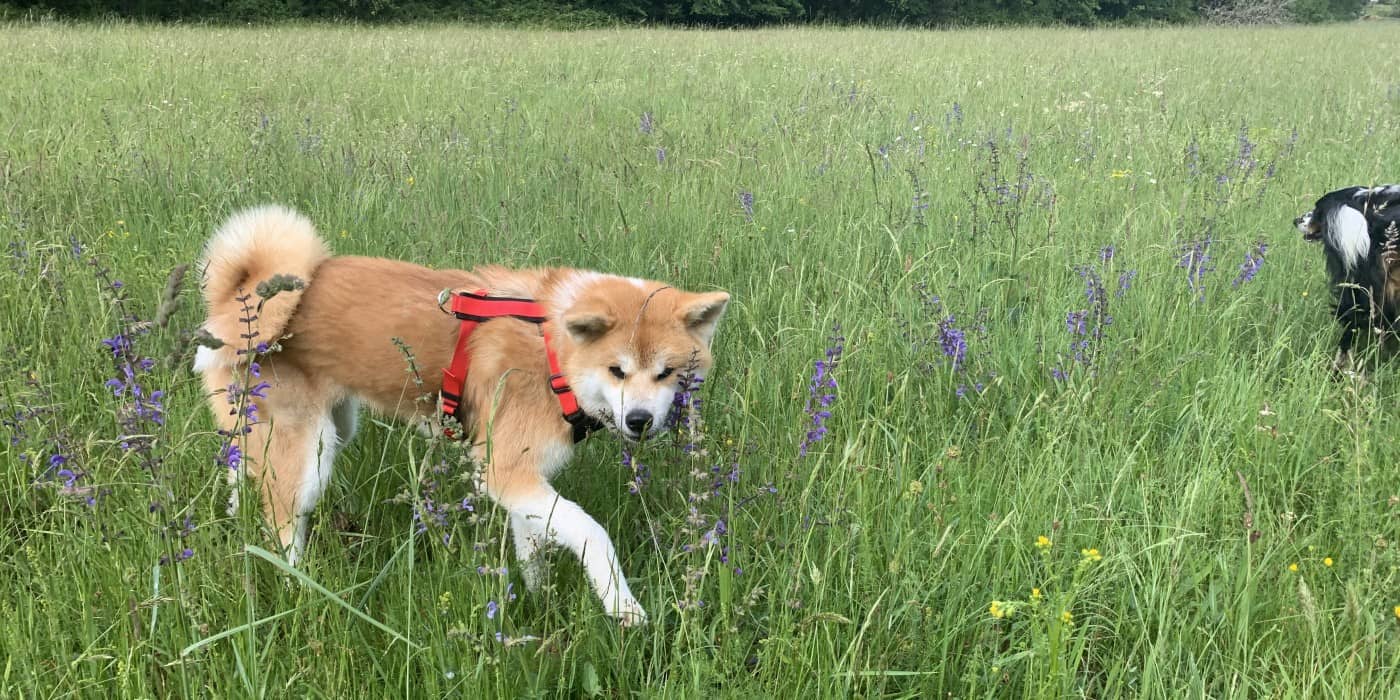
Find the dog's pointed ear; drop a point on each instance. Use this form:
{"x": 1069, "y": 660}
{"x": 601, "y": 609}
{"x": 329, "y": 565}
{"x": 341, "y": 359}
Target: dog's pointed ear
{"x": 589, "y": 323}
{"x": 701, "y": 313}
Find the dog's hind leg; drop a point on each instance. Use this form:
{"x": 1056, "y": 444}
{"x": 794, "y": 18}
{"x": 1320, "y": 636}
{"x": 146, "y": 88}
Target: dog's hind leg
{"x": 321, "y": 446}
{"x": 1342, "y": 362}
{"x": 218, "y": 378}
{"x": 1353, "y": 311}
{"x": 346, "y": 415}
{"x": 289, "y": 452}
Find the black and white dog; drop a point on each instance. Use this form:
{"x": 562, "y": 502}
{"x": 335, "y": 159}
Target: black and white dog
{"x": 1360, "y": 232}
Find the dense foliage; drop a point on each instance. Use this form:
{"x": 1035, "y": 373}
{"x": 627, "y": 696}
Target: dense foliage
{"x": 736, "y": 13}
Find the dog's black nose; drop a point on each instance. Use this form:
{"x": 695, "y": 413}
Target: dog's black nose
{"x": 638, "y": 421}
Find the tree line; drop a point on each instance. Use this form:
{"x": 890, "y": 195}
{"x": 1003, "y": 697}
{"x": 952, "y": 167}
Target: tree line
{"x": 708, "y": 13}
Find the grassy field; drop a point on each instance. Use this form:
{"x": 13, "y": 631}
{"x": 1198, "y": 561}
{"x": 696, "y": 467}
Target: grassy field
{"x": 1082, "y": 442}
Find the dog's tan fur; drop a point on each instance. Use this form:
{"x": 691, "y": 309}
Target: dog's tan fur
{"x": 336, "y": 350}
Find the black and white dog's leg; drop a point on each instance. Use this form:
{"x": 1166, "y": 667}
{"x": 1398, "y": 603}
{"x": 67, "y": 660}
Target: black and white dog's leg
{"x": 1342, "y": 363}
{"x": 1352, "y": 306}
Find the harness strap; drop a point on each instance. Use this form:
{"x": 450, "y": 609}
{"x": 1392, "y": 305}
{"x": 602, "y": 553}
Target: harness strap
{"x": 475, "y": 308}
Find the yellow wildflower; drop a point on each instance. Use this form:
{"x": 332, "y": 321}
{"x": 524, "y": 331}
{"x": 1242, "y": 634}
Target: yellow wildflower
{"x": 410, "y": 180}
{"x": 1043, "y": 542}
{"x": 997, "y": 610}
{"x": 1120, "y": 174}
{"x": 1067, "y": 618}
{"x": 344, "y": 234}
{"x": 1327, "y": 561}
{"x": 1035, "y": 594}
{"x": 1293, "y": 567}
{"x": 1091, "y": 554}
{"x": 1397, "y": 612}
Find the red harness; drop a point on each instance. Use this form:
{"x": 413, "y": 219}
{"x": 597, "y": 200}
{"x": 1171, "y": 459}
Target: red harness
{"x": 475, "y": 308}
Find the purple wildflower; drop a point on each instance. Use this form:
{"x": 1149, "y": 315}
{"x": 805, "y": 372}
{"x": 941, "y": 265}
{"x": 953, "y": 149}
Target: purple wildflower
{"x": 491, "y": 608}
{"x": 712, "y": 535}
{"x": 1087, "y": 327}
{"x": 1245, "y": 162}
{"x": 143, "y": 407}
{"x": 1074, "y": 322}
{"x": 640, "y": 473}
{"x": 952, "y": 341}
{"x": 821, "y": 393}
{"x": 184, "y": 554}
{"x": 1125, "y": 282}
{"x": 746, "y": 202}
{"x": 954, "y": 116}
{"x": 1106, "y": 254}
{"x": 1253, "y": 260}
{"x": 646, "y": 126}
{"x": 684, "y": 416}
{"x": 231, "y": 456}
{"x": 118, "y": 344}
{"x": 1196, "y": 260}
{"x": 1093, "y": 286}
{"x": 660, "y": 155}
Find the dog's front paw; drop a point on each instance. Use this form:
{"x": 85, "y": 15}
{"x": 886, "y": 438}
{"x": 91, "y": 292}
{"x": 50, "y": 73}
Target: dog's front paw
{"x": 534, "y": 571}
{"x": 628, "y": 612}
{"x": 1341, "y": 365}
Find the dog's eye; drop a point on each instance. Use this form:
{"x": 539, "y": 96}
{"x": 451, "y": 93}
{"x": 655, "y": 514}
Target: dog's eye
{"x": 617, "y": 372}
{"x": 665, "y": 373}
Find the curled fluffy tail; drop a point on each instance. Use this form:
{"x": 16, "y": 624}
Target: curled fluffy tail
{"x": 253, "y": 246}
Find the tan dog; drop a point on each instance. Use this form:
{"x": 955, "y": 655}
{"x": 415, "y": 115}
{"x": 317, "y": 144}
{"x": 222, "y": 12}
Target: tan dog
{"x": 622, "y": 343}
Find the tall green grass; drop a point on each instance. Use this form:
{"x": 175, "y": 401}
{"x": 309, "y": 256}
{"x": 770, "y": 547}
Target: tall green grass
{"x": 1201, "y": 447}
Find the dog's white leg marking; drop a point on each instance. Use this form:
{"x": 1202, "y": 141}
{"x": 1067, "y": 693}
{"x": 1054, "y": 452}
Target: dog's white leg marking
{"x": 314, "y": 478}
{"x": 563, "y": 521}
{"x": 235, "y": 477}
{"x": 346, "y": 415}
{"x": 204, "y": 359}
{"x": 528, "y": 539}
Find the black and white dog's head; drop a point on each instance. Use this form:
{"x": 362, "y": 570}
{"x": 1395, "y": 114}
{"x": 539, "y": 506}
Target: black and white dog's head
{"x": 1344, "y": 221}
{"x": 1357, "y": 227}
